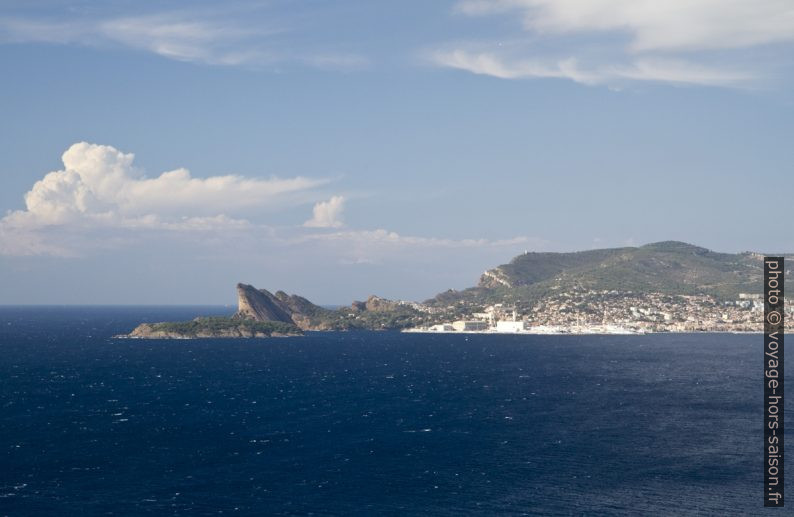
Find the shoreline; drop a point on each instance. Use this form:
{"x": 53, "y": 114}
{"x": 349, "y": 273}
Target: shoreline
{"x": 587, "y": 332}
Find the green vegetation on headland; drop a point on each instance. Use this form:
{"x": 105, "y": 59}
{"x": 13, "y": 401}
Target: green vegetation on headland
{"x": 216, "y": 327}
{"x": 396, "y": 318}
{"x": 666, "y": 268}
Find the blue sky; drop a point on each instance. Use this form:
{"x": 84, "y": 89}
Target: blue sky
{"x": 339, "y": 149}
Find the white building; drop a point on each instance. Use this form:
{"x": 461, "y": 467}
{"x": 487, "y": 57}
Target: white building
{"x": 511, "y": 326}
{"x": 442, "y": 327}
{"x": 462, "y": 325}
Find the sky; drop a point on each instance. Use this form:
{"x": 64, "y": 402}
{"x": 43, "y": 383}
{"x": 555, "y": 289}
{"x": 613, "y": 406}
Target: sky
{"x": 161, "y": 152}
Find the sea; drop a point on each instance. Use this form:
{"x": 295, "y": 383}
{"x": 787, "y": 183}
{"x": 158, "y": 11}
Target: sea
{"x": 372, "y": 423}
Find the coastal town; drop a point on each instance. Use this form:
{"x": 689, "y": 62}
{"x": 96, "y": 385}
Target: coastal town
{"x": 582, "y": 311}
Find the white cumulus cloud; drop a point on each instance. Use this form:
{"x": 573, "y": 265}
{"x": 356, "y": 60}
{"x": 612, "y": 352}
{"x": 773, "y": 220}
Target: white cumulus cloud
{"x": 100, "y": 183}
{"x": 327, "y": 214}
{"x": 100, "y": 187}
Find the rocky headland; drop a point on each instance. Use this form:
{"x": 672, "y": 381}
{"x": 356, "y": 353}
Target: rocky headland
{"x": 262, "y": 314}
{"x": 660, "y": 287}
{"x": 214, "y": 327}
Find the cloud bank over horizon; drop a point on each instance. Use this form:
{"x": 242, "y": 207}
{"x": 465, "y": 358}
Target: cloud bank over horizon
{"x": 100, "y": 206}
{"x": 103, "y": 213}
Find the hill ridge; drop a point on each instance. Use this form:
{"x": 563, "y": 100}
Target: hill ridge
{"x": 665, "y": 267}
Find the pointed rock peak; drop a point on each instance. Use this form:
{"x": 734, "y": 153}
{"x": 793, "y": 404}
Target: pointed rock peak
{"x": 260, "y": 305}
{"x": 376, "y": 303}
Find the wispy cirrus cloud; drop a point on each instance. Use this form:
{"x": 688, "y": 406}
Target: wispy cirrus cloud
{"x": 202, "y": 37}
{"x": 378, "y": 247}
{"x": 615, "y": 42}
{"x": 673, "y": 25}
{"x": 185, "y": 39}
{"x": 382, "y": 237}
{"x": 647, "y": 69}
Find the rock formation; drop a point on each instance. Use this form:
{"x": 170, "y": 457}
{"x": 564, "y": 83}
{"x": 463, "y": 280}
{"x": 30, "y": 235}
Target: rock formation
{"x": 262, "y": 305}
{"x": 262, "y": 314}
{"x": 375, "y": 304}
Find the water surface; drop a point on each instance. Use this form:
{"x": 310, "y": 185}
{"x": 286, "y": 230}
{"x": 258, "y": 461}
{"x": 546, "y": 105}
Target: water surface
{"x": 372, "y": 423}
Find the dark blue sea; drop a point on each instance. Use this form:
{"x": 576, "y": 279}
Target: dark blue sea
{"x": 366, "y": 423}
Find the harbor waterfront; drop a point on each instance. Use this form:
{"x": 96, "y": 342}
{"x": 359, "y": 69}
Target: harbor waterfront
{"x": 539, "y": 330}
{"x": 612, "y": 312}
